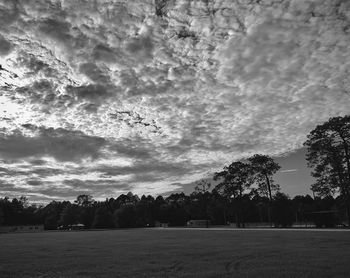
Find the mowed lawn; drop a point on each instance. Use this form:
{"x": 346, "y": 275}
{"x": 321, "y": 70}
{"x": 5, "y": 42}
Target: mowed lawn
{"x": 175, "y": 253}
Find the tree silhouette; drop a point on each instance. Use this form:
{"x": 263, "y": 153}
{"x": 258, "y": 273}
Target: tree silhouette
{"x": 235, "y": 179}
{"x": 202, "y": 194}
{"x": 125, "y": 216}
{"x": 145, "y": 211}
{"x": 202, "y": 186}
{"x": 103, "y": 218}
{"x": 1, "y": 217}
{"x": 329, "y": 156}
{"x": 84, "y": 200}
{"x": 264, "y": 167}
{"x": 282, "y": 212}
{"x": 69, "y": 215}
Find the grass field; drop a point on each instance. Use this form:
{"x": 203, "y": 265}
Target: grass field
{"x": 175, "y": 253}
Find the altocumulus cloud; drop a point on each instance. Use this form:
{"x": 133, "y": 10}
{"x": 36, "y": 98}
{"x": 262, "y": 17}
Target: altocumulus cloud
{"x": 109, "y": 96}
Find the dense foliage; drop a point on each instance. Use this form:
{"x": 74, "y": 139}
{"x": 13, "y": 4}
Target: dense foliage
{"x": 129, "y": 210}
{"x": 328, "y": 155}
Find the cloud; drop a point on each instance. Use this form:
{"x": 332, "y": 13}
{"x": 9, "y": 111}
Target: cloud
{"x": 140, "y": 47}
{"x": 104, "y": 54}
{"x": 59, "y": 31}
{"x": 9, "y": 12}
{"x": 34, "y": 66}
{"x": 200, "y": 83}
{"x": 5, "y": 46}
{"x": 60, "y": 144}
{"x": 289, "y": 171}
{"x": 94, "y": 73}
{"x": 88, "y": 92}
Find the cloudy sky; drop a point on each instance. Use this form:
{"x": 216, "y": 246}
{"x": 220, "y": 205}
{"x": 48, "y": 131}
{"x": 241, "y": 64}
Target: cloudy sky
{"x": 105, "y": 97}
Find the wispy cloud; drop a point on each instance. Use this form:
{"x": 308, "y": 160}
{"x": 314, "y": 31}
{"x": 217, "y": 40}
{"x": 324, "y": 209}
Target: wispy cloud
{"x": 288, "y": 171}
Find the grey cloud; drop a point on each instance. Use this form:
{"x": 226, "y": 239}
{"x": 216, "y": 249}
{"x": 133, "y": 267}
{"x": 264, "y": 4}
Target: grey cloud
{"x": 57, "y": 30}
{"x": 141, "y": 47}
{"x": 9, "y": 12}
{"x": 7, "y": 187}
{"x": 89, "y": 92}
{"x": 133, "y": 149}
{"x": 34, "y": 182}
{"x": 91, "y": 107}
{"x": 44, "y": 92}
{"x": 34, "y": 65}
{"x": 61, "y": 144}
{"x": 5, "y": 46}
{"x": 95, "y": 73}
{"x": 42, "y": 85}
{"x": 157, "y": 84}
{"x": 47, "y": 172}
{"x": 40, "y": 91}
{"x": 149, "y": 170}
{"x": 11, "y": 172}
{"x": 104, "y": 53}
{"x": 96, "y": 187}
{"x": 38, "y": 162}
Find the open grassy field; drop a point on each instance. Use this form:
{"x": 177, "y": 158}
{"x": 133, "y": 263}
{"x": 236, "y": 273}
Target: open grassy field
{"x": 175, "y": 253}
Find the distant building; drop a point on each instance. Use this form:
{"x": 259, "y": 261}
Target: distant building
{"x": 78, "y": 226}
{"x": 73, "y": 227}
{"x": 198, "y": 223}
{"x": 162, "y": 225}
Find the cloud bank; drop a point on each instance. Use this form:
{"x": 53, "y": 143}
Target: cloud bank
{"x": 110, "y": 96}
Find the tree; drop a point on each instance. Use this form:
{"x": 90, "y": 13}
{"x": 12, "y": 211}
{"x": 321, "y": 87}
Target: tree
{"x": 328, "y": 153}
{"x": 128, "y": 199}
{"x": 125, "y": 216}
{"x": 264, "y": 167}
{"x": 87, "y": 211}
{"x": 50, "y": 223}
{"x": 202, "y": 193}
{"x": 84, "y": 200}
{"x": 217, "y": 208}
{"x": 145, "y": 210}
{"x": 175, "y": 209}
{"x": 1, "y": 217}
{"x": 87, "y": 216}
{"x": 103, "y": 218}
{"x": 69, "y": 215}
{"x": 282, "y": 212}
{"x": 51, "y": 214}
{"x": 325, "y": 212}
{"x": 235, "y": 179}
{"x": 303, "y": 207}
{"x": 202, "y": 186}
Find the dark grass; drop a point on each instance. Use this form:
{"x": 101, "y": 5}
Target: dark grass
{"x": 175, "y": 253}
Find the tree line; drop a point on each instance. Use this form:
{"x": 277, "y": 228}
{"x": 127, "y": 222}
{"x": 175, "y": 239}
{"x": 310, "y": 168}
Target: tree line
{"x": 128, "y": 210}
{"x": 244, "y": 192}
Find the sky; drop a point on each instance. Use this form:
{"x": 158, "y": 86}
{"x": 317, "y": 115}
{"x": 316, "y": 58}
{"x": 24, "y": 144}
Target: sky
{"x": 149, "y": 96}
